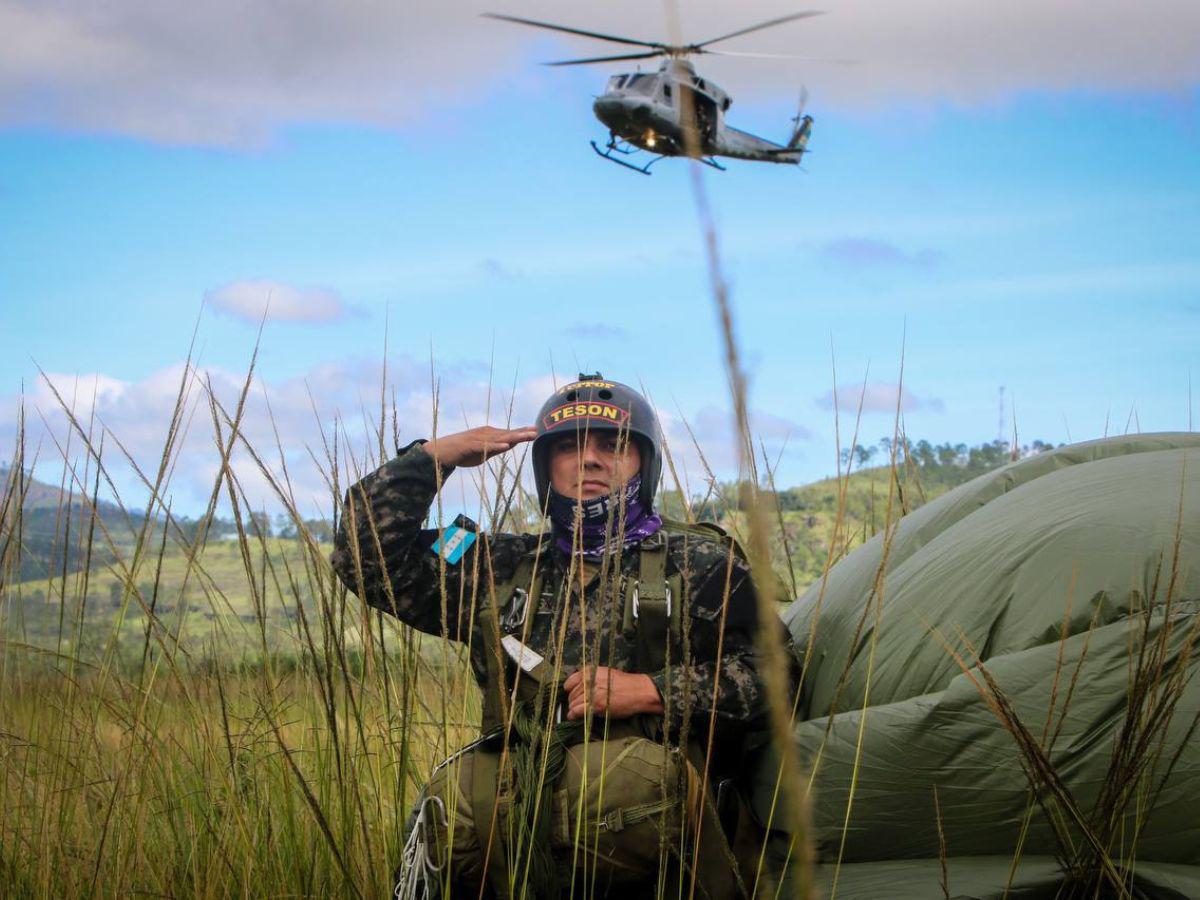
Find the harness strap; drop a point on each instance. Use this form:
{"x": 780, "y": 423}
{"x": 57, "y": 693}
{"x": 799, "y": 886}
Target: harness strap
{"x": 516, "y": 600}
{"x": 489, "y": 830}
{"x": 652, "y": 607}
{"x": 495, "y": 697}
{"x": 624, "y": 817}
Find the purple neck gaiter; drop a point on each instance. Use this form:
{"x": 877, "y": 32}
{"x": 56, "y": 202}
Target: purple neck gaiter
{"x": 600, "y": 527}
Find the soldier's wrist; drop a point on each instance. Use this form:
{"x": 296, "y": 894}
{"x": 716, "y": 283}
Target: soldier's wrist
{"x": 428, "y": 450}
{"x": 652, "y": 698}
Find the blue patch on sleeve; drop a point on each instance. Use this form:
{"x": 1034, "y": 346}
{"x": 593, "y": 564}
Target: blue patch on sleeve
{"x": 453, "y": 543}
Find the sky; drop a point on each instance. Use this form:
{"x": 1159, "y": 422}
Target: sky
{"x": 997, "y": 196}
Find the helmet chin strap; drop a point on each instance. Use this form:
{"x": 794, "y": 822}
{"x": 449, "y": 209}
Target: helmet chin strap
{"x": 593, "y": 527}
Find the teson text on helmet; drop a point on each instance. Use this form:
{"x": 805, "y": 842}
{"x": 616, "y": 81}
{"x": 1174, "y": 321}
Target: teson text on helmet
{"x": 605, "y": 412}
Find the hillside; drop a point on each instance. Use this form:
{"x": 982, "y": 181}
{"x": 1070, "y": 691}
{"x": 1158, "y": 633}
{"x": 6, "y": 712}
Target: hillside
{"x": 57, "y": 531}
{"x": 210, "y": 604}
{"x": 230, "y": 601}
{"x": 805, "y": 518}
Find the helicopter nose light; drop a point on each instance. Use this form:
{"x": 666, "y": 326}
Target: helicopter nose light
{"x": 651, "y": 138}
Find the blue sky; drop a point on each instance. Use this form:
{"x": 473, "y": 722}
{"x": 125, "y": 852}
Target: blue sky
{"x": 1041, "y": 237}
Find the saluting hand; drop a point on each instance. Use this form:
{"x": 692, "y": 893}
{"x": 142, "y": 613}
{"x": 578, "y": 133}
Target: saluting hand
{"x": 476, "y": 445}
{"x": 607, "y": 690}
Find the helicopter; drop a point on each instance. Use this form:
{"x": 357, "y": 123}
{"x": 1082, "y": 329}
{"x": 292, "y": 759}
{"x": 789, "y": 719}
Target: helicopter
{"x": 674, "y": 111}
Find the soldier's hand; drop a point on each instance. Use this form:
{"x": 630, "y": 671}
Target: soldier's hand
{"x": 606, "y": 690}
{"x": 476, "y": 445}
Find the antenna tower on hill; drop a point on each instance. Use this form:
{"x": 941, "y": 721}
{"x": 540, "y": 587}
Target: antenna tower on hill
{"x": 1000, "y": 420}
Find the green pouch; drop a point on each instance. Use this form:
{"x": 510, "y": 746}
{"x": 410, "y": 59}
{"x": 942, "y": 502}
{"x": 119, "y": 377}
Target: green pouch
{"x": 620, "y": 807}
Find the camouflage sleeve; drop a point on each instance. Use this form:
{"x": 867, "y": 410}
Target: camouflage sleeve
{"x": 717, "y": 675}
{"x": 425, "y": 577}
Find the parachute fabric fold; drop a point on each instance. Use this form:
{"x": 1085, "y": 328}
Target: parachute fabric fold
{"x": 1054, "y": 572}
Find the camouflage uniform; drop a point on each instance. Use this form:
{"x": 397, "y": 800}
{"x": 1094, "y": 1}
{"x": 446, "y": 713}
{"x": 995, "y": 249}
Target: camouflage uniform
{"x": 384, "y": 556}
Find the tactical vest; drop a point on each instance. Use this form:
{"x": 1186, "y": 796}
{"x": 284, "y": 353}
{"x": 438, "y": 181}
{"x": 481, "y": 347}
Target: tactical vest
{"x": 522, "y": 698}
{"x": 651, "y": 612}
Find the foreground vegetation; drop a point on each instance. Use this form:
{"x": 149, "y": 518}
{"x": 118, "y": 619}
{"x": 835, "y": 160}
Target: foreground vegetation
{"x": 208, "y": 785}
{"x": 197, "y": 708}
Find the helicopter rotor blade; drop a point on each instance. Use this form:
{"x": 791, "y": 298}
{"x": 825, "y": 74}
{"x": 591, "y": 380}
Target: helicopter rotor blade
{"x": 761, "y": 25}
{"x": 751, "y": 55}
{"x": 604, "y": 59}
{"x": 578, "y": 31}
{"x": 796, "y": 119}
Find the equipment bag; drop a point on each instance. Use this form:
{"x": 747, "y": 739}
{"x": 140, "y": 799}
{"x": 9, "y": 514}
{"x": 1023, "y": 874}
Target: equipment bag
{"x": 620, "y": 809}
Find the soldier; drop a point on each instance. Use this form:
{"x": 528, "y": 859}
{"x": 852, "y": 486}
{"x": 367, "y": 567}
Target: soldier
{"x": 615, "y": 653}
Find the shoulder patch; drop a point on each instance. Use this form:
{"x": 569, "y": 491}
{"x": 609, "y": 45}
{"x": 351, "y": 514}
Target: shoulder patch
{"x": 454, "y": 541}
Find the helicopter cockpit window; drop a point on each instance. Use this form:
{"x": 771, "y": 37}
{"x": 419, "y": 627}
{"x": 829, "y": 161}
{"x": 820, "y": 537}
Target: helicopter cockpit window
{"x": 667, "y": 93}
{"x": 642, "y": 83}
{"x": 617, "y": 82}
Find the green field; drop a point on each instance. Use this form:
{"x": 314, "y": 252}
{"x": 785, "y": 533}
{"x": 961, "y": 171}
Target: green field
{"x": 215, "y": 786}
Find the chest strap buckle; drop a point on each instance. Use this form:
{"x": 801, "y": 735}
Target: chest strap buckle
{"x": 636, "y": 597}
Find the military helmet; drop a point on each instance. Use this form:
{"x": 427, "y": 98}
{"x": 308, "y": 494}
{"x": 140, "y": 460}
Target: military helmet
{"x": 595, "y": 404}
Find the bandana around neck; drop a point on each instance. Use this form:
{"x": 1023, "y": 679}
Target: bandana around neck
{"x": 599, "y": 522}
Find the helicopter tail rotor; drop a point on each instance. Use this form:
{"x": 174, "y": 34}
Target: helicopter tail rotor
{"x": 800, "y": 109}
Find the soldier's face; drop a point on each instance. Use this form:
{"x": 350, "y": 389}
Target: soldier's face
{"x": 592, "y": 465}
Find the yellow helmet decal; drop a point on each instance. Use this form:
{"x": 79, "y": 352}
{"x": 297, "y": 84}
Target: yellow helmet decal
{"x": 604, "y": 412}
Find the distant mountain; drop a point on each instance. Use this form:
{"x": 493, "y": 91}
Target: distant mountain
{"x": 51, "y": 519}
{"x": 41, "y": 495}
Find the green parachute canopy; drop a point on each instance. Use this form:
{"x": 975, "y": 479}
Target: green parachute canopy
{"x": 999, "y": 697}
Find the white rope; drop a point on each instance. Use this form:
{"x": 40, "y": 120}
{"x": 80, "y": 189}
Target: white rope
{"x": 419, "y": 871}
{"x": 420, "y": 877}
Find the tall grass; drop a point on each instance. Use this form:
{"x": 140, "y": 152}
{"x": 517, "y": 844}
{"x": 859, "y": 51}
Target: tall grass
{"x": 195, "y": 748}
{"x": 226, "y": 719}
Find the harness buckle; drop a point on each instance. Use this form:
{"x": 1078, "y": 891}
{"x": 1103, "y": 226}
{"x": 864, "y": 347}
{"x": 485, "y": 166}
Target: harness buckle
{"x": 634, "y": 603}
{"x": 613, "y": 821}
{"x": 516, "y": 611}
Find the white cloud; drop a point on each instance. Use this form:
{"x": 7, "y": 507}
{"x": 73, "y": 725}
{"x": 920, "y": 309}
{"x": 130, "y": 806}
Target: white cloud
{"x": 233, "y": 73}
{"x": 291, "y": 421}
{"x": 250, "y": 300}
{"x": 494, "y": 268}
{"x": 878, "y": 397}
{"x": 710, "y": 431}
{"x": 341, "y": 397}
{"x": 858, "y": 253}
{"x": 597, "y": 331}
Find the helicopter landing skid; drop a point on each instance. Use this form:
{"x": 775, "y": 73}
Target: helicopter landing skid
{"x": 612, "y": 147}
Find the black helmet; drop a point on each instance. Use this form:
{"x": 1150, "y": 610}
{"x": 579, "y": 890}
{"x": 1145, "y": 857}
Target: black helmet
{"x": 594, "y": 404}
